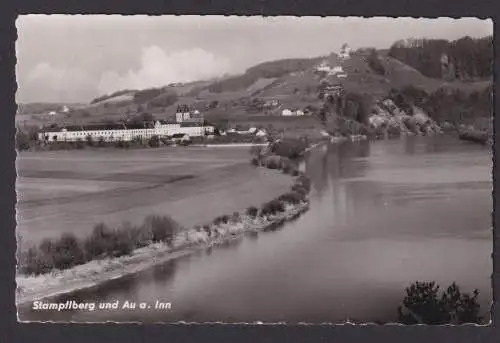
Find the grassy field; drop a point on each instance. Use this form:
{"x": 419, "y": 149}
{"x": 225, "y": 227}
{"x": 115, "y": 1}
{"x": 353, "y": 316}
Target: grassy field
{"x": 71, "y": 191}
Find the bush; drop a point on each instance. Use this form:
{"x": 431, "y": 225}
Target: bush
{"x": 235, "y": 217}
{"x": 33, "y": 261}
{"x": 304, "y": 182}
{"x": 272, "y": 164}
{"x": 255, "y": 161}
{"x": 224, "y": 219}
{"x": 162, "y": 228}
{"x": 295, "y": 172}
{"x": 287, "y": 169}
{"x": 252, "y": 211}
{"x": 272, "y": 207}
{"x": 154, "y": 141}
{"x": 22, "y": 140}
{"x": 300, "y": 190}
{"x": 293, "y": 198}
{"x": 67, "y": 252}
{"x": 124, "y": 242}
{"x": 422, "y": 305}
{"x": 374, "y": 62}
{"x": 256, "y": 150}
{"x": 139, "y": 235}
{"x": 100, "y": 242}
{"x": 290, "y": 148}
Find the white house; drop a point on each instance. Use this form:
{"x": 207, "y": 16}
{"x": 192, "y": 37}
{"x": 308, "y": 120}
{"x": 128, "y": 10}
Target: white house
{"x": 323, "y": 67}
{"x": 345, "y": 52}
{"x": 299, "y": 113}
{"x": 261, "y": 133}
{"x": 337, "y": 70}
{"x": 286, "y": 112}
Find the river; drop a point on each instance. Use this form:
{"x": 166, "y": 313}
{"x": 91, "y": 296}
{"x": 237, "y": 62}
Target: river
{"x": 383, "y": 214}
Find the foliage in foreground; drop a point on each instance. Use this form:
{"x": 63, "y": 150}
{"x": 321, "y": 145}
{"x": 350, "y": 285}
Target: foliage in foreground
{"x": 423, "y": 305}
{"x": 69, "y": 251}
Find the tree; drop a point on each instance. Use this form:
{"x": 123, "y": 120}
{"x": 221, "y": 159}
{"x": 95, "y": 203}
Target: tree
{"x": 89, "y": 140}
{"x": 22, "y": 140}
{"x": 154, "y": 141}
{"x": 423, "y": 305}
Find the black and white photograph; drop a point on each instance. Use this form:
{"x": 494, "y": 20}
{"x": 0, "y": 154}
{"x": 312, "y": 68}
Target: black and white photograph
{"x": 252, "y": 169}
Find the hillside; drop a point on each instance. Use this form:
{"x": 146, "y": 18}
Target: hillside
{"x": 263, "y": 91}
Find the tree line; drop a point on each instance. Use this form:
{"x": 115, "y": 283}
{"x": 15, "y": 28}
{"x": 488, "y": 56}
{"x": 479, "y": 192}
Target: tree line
{"x": 463, "y": 59}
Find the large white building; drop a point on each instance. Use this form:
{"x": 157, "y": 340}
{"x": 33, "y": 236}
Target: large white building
{"x": 113, "y": 133}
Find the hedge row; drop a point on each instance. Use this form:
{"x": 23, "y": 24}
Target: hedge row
{"x": 69, "y": 251}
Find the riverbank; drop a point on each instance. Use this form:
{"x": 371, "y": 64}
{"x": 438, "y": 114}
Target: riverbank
{"x": 31, "y": 288}
{"x": 272, "y": 214}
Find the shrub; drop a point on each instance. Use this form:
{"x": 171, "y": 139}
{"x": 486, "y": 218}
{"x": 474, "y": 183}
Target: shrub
{"x": 235, "y": 217}
{"x": 252, "y": 211}
{"x": 154, "y": 141}
{"x": 140, "y": 236}
{"x": 272, "y": 164}
{"x": 290, "y": 148}
{"x": 162, "y": 228}
{"x": 423, "y": 305}
{"x": 255, "y": 161}
{"x": 67, "y": 252}
{"x": 300, "y": 190}
{"x": 295, "y": 172}
{"x": 374, "y": 62}
{"x": 272, "y": 207}
{"x": 123, "y": 243}
{"x": 33, "y": 261}
{"x": 100, "y": 242}
{"x": 287, "y": 169}
{"x": 206, "y": 228}
{"x": 304, "y": 182}
{"x": 22, "y": 140}
{"x": 221, "y": 219}
{"x": 256, "y": 150}
{"x": 293, "y": 198}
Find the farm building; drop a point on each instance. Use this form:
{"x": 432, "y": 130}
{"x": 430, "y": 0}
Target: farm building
{"x": 287, "y": 112}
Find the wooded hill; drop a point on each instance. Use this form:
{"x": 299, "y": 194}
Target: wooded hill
{"x": 451, "y": 76}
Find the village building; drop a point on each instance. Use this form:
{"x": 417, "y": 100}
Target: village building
{"x": 184, "y": 124}
{"x": 345, "y": 51}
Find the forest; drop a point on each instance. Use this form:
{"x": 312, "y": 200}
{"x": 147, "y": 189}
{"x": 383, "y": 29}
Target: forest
{"x": 462, "y": 59}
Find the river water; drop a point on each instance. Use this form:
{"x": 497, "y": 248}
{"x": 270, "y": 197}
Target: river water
{"x": 383, "y": 214}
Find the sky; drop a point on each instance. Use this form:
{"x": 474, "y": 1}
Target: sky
{"x": 75, "y": 58}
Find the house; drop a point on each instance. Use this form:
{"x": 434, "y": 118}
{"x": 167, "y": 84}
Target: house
{"x": 345, "y": 51}
{"x": 299, "y": 113}
{"x": 337, "y": 69}
{"x": 286, "y": 112}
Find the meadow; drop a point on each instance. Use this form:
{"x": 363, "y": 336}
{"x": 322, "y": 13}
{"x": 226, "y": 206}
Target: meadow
{"x": 71, "y": 191}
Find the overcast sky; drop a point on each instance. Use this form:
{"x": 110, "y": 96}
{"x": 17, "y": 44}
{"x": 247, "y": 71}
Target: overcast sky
{"x": 74, "y": 58}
